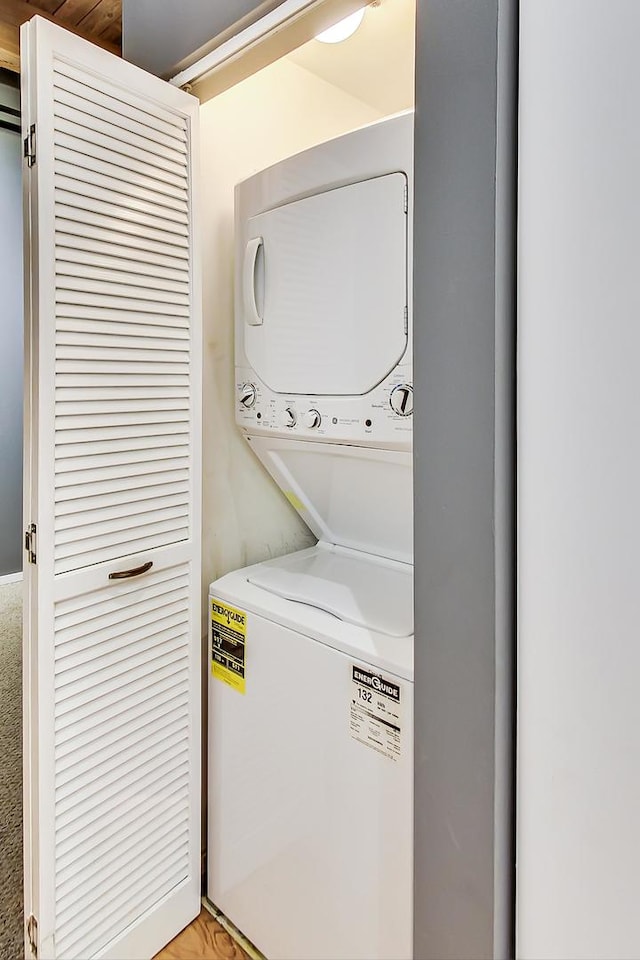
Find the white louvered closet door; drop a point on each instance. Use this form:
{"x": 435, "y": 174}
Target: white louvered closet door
{"x": 112, "y": 622}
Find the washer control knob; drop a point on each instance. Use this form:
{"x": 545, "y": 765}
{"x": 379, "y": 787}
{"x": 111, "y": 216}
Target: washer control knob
{"x": 247, "y": 395}
{"x": 401, "y": 400}
{"x": 289, "y": 417}
{"x": 312, "y": 419}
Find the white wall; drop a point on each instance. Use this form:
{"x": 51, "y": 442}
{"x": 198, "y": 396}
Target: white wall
{"x": 385, "y": 36}
{"x": 11, "y": 353}
{"x": 276, "y": 113}
{"x": 579, "y": 480}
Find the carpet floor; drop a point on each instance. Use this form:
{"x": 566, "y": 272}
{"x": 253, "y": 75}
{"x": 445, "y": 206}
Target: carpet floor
{"x": 11, "y": 896}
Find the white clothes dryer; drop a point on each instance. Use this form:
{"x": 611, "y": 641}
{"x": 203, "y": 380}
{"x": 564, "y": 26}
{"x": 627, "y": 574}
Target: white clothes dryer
{"x": 323, "y": 301}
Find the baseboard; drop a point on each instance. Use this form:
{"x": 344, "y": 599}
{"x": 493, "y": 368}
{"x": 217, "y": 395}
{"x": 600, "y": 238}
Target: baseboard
{"x": 11, "y": 577}
{"x": 232, "y": 930}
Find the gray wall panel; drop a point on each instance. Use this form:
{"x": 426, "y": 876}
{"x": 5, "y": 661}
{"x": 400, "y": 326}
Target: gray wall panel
{"x": 159, "y": 34}
{"x": 463, "y": 478}
{"x": 11, "y": 353}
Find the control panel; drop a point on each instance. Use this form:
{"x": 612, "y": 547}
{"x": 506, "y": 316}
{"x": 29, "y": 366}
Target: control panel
{"x": 381, "y": 417}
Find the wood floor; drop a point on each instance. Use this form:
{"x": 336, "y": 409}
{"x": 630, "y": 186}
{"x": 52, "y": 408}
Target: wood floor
{"x": 204, "y": 939}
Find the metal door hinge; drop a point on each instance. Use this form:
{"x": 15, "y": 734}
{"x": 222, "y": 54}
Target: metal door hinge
{"x": 30, "y": 146}
{"x": 30, "y": 542}
{"x": 32, "y": 936}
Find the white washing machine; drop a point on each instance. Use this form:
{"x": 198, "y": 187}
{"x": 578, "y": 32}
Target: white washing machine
{"x": 311, "y": 688}
{"x": 311, "y": 757}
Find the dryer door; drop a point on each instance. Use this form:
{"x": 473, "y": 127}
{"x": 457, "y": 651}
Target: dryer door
{"x": 324, "y": 289}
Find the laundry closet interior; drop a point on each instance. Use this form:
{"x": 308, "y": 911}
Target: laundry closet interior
{"x": 318, "y": 322}
{"x": 301, "y": 202}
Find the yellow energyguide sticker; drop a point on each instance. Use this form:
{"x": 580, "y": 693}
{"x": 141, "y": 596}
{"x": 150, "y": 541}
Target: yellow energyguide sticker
{"x": 228, "y": 644}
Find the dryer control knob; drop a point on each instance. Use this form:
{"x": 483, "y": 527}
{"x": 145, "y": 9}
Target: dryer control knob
{"x": 312, "y": 419}
{"x": 401, "y": 400}
{"x": 247, "y": 395}
{"x": 289, "y": 417}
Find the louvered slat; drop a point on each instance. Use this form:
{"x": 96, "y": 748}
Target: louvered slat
{"x": 117, "y": 503}
{"x": 105, "y": 386}
{"x": 175, "y": 527}
{"x": 131, "y": 128}
{"x": 107, "y": 375}
{"x": 120, "y": 629}
{"x": 94, "y": 87}
{"x": 103, "y": 254}
{"x": 108, "y": 643}
{"x": 105, "y": 842}
{"x": 92, "y": 219}
{"x": 95, "y": 832}
{"x": 114, "y": 887}
{"x": 122, "y": 354}
{"x": 88, "y": 312}
{"x": 111, "y": 208}
{"x": 147, "y": 518}
{"x": 90, "y": 793}
{"x": 108, "y": 852}
{"x": 102, "y": 553}
{"x": 105, "y": 131}
{"x": 156, "y": 883}
{"x": 102, "y": 841}
{"x": 142, "y": 375}
{"x": 120, "y": 439}
{"x": 107, "y": 333}
{"x": 94, "y": 160}
{"x": 76, "y": 178}
{"x": 117, "y": 712}
{"x": 109, "y": 273}
{"x": 89, "y": 234}
{"x": 119, "y": 469}
{"x": 66, "y": 421}
{"x": 153, "y": 718}
{"x": 71, "y": 439}
{"x": 117, "y": 300}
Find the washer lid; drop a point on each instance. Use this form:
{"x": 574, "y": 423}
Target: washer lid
{"x": 324, "y": 289}
{"x": 357, "y": 497}
{"x": 366, "y": 591}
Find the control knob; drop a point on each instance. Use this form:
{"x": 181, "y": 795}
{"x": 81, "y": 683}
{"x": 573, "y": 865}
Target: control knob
{"x": 312, "y": 419}
{"x": 248, "y": 395}
{"x": 289, "y": 417}
{"x": 401, "y": 400}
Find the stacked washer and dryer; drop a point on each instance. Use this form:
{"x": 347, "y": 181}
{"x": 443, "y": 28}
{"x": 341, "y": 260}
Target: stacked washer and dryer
{"x": 310, "y": 837}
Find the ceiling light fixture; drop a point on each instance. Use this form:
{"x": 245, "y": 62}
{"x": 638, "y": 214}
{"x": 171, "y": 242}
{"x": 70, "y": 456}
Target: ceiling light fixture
{"x": 343, "y": 29}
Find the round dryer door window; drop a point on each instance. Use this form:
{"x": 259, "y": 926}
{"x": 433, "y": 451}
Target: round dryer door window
{"x": 325, "y": 289}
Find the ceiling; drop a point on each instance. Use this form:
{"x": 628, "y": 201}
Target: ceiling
{"x": 376, "y": 64}
{"x": 99, "y": 21}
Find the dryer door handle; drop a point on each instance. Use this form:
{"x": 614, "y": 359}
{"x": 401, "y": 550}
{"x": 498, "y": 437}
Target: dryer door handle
{"x": 251, "y": 314}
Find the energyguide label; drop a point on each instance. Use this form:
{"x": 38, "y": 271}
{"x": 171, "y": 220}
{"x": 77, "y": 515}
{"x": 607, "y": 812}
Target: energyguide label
{"x": 376, "y": 711}
{"x": 228, "y": 644}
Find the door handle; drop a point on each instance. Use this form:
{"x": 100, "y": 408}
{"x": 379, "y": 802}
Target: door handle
{"x": 251, "y": 314}
{"x": 134, "y": 572}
